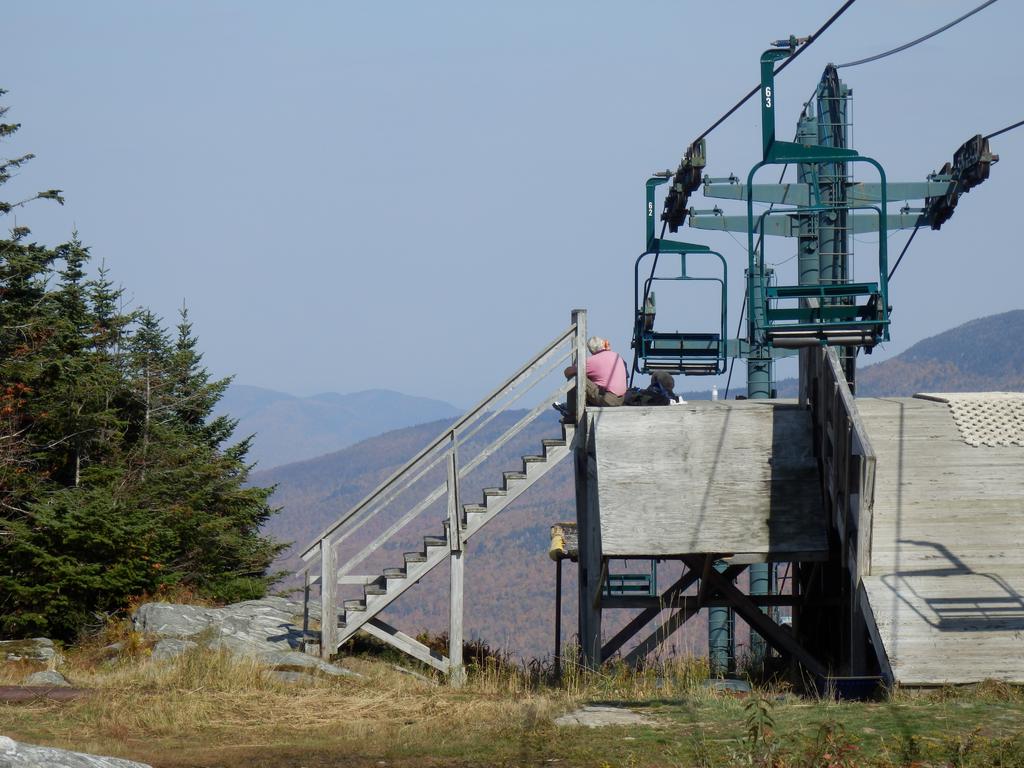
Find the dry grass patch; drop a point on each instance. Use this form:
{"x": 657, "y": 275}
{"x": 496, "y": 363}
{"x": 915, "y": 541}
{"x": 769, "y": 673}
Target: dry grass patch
{"x": 224, "y": 702}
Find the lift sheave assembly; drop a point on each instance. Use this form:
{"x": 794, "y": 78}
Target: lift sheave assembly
{"x": 826, "y": 304}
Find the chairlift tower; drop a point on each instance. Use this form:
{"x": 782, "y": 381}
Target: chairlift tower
{"x": 825, "y": 305}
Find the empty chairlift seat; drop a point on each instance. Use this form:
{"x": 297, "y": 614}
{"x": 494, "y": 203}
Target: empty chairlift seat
{"x": 677, "y": 352}
{"x": 849, "y": 314}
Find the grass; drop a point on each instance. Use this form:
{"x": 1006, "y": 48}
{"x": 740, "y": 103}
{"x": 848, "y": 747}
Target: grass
{"x": 209, "y": 709}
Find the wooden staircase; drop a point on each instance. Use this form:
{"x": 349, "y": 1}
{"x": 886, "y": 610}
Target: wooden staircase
{"x": 457, "y": 451}
{"x": 393, "y": 582}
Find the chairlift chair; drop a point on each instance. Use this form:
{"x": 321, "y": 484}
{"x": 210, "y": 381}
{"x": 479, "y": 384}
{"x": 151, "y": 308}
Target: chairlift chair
{"x": 677, "y": 352}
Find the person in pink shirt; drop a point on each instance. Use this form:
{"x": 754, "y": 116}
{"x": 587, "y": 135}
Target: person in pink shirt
{"x": 606, "y": 378}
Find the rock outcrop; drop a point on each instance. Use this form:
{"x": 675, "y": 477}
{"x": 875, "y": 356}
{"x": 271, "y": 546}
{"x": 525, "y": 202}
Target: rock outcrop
{"x": 267, "y": 630}
{"x": 50, "y": 678}
{"x": 33, "y": 649}
{"x": 15, "y": 755}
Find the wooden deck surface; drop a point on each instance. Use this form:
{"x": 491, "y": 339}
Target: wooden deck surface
{"x": 736, "y": 477}
{"x": 946, "y": 590}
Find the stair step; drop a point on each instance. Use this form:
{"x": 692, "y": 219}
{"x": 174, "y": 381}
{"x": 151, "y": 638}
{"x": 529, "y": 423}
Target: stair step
{"x": 395, "y": 573}
{"x": 355, "y": 605}
{"x": 415, "y": 557}
{"x": 513, "y": 476}
{"x": 444, "y": 523}
{"x": 533, "y": 459}
{"x": 475, "y": 509}
{"x": 551, "y": 442}
{"x": 495, "y": 492}
{"x": 435, "y": 541}
{"x": 376, "y": 588}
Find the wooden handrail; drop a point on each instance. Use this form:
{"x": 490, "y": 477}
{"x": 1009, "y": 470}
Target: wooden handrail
{"x": 834, "y": 404}
{"x": 313, "y": 549}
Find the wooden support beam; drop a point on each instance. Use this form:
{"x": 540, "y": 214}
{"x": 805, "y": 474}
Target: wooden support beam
{"x": 384, "y": 631}
{"x": 587, "y": 515}
{"x": 705, "y": 571}
{"x": 305, "y": 611}
{"x": 675, "y": 621}
{"x": 777, "y": 637}
{"x": 657, "y": 604}
{"x": 668, "y": 599}
{"x": 456, "y": 672}
{"x": 328, "y": 602}
{"x": 637, "y": 623}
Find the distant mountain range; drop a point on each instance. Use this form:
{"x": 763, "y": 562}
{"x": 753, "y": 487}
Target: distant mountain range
{"x": 290, "y": 428}
{"x": 510, "y": 580}
{"x": 983, "y": 355}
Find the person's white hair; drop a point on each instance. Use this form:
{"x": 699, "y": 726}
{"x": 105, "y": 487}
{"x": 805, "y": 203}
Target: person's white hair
{"x": 596, "y": 344}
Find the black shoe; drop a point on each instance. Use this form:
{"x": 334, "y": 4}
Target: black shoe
{"x": 562, "y": 408}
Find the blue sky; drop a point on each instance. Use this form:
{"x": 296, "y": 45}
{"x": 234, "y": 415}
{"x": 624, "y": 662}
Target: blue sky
{"x": 414, "y": 196}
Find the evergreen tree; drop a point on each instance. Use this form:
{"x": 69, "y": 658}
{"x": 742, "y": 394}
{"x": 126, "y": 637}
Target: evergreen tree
{"x": 115, "y": 477}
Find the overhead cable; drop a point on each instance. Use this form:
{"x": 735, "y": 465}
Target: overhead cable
{"x": 912, "y": 43}
{"x": 1004, "y": 130}
{"x": 781, "y": 67}
{"x": 903, "y": 252}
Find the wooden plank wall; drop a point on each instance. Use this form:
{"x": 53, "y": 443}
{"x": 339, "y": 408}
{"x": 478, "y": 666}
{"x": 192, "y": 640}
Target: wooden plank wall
{"x": 708, "y": 477}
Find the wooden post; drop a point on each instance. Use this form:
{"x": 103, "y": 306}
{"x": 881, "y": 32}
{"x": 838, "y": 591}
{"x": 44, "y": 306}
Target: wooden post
{"x": 305, "y": 611}
{"x": 558, "y": 619}
{"x": 586, "y": 512}
{"x": 328, "y": 609}
{"x": 456, "y": 671}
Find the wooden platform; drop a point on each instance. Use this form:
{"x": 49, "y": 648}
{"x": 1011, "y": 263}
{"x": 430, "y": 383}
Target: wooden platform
{"x": 945, "y": 597}
{"x": 736, "y": 477}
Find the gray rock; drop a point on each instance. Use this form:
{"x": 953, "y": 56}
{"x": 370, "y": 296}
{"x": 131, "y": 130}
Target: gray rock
{"x": 294, "y": 660}
{"x": 33, "y": 649}
{"x": 48, "y": 678}
{"x": 15, "y": 755}
{"x": 171, "y": 647}
{"x": 171, "y": 620}
{"x": 267, "y": 630}
{"x": 247, "y": 628}
{"x": 597, "y": 717}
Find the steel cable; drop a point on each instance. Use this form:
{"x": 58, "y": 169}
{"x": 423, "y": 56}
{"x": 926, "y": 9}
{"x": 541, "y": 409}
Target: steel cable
{"x": 903, "y": 252}
{"x": 912, "y": 43}
{"x": 1004, "y": 130}
{"x": 782, "y": 66}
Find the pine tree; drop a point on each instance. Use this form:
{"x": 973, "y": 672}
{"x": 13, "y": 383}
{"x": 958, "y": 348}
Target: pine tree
{"x": 116, "y": 479}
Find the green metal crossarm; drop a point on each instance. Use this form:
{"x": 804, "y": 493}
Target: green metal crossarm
{"x": 829, "y": 313}
{"x": 788, "y": 225}
{"x": 821, "y": 291}
{"x": 799, "y": 194}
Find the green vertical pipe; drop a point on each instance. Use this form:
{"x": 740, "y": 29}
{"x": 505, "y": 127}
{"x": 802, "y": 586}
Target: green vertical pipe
{"x": 759, "y": 385}
{"x": 760, "y": 584}
{"x": 721, "y": 637}
{"x": 834, "y": 235}
{"x": 759, "y": 363}
{"x": 807, "y": 257}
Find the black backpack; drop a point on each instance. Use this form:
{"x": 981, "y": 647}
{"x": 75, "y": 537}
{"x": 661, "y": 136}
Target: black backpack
{"x": 658, "y": 392}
